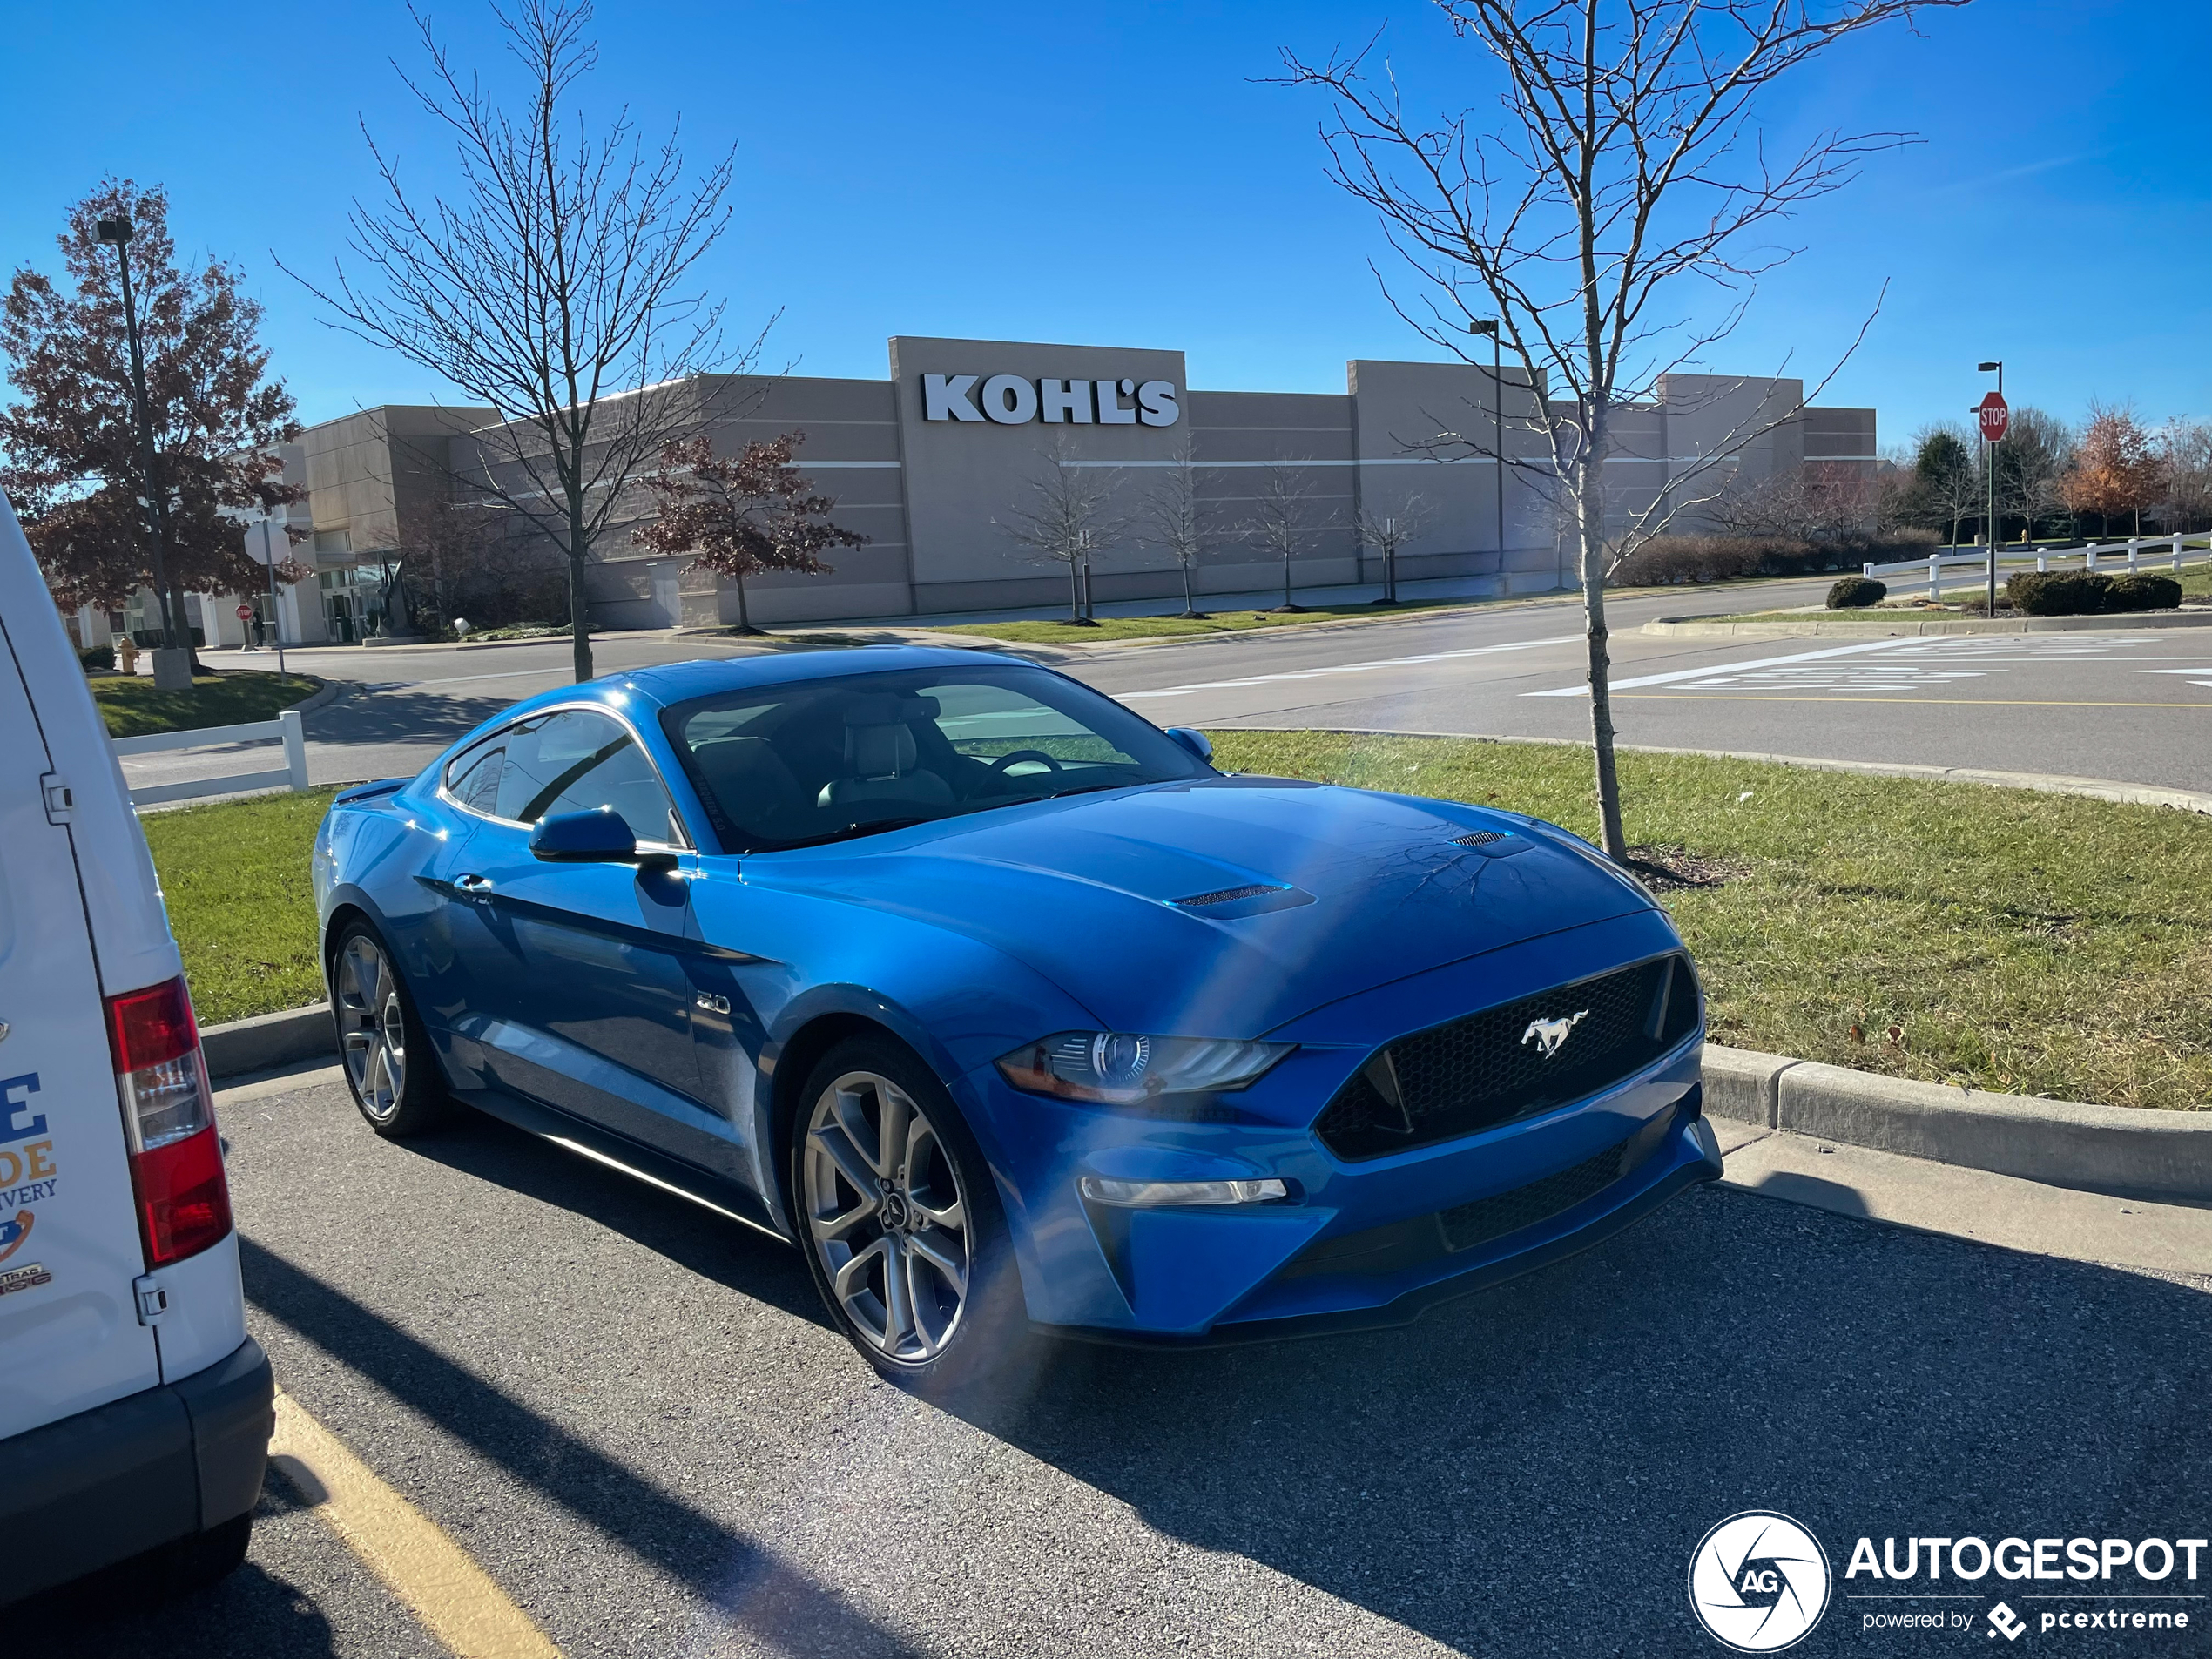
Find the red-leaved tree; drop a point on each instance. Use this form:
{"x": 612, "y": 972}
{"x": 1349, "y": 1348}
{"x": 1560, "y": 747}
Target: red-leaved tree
{"x": 70, "y": 456}
{"x": 741, "y": 515}
{"x": 2117, "y": 470}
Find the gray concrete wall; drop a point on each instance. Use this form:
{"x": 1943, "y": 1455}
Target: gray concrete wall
{"x": 936, "y": 496}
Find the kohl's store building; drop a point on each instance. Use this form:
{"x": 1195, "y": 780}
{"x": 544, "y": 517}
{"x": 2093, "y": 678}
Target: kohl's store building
{"x": 931, "y": 461}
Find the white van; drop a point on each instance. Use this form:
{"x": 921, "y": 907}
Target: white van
{"x": 134, "y": 1409}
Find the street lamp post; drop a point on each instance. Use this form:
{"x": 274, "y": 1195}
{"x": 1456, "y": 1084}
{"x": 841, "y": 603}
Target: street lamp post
{"x": 1489, "y": 326}
{"x": 117, "y": 232}
{"x": 1989, "y": 478}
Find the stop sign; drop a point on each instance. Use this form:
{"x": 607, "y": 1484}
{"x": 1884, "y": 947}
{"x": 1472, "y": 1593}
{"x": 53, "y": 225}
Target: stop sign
{"x": 244, "y": 612}
{"x": 1995, "y": 416}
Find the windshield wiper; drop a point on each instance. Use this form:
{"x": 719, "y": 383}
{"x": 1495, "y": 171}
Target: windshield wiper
{"x": 881, "y": 827}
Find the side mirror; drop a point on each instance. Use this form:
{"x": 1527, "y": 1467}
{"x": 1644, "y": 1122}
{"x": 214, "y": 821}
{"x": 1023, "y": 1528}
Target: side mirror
{"x": 583, "y": 838}
{"x": 1194, "y": 740}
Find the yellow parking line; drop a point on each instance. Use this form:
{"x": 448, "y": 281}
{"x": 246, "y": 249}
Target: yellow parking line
{"x": 1991, "y": 702}
{"x": 455, "y": 1599}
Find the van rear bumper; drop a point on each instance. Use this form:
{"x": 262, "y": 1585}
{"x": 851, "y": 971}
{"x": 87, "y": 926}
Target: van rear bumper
{"x": 135, "y": 1474}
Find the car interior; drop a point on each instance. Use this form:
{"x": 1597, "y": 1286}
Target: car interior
{"x": 813, "y": 762}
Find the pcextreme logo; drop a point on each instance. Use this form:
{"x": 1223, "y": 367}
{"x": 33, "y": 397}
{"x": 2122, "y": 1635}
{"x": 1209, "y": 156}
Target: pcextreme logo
{"x": 1758, "y": 1582}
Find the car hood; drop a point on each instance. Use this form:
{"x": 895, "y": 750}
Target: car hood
{"x": 1357, "y": 889}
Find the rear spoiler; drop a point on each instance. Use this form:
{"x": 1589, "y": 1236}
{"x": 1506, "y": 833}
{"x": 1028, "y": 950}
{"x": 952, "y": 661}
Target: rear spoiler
{"x": 353, "y": 793}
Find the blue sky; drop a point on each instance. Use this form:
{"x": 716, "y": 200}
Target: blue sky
{"x": 1114, "y": 174}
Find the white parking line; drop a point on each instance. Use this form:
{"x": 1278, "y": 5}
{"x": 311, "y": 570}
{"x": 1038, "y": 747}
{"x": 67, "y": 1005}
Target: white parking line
{"x": 1348, "y": 668}
{"x": 1735, "y": 668}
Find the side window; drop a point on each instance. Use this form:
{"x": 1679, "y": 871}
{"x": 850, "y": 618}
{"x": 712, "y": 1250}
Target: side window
{"x": 576, "y": 761}
{"x": 473, "y": 779}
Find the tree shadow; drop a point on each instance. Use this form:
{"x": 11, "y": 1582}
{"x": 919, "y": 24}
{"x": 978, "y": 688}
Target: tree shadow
{"x": 404, "y": 714}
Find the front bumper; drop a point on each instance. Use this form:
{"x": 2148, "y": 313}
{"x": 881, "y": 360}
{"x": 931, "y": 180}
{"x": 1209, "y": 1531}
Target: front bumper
{"x": 135, "y": 1474}
{"x": 1371, "y": 1242}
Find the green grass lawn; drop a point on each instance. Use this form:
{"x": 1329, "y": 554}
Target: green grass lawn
{"x": 235, "y": 878}
{"x": 133, "y": 709}
{"x": 2040, "y": 944}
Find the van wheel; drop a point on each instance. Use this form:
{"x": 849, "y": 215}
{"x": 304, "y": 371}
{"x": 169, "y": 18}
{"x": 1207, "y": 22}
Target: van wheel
{"x": 193, "y": 1563}
{"x": 901, "y": 1227}
{"x": 388, "y": 1063}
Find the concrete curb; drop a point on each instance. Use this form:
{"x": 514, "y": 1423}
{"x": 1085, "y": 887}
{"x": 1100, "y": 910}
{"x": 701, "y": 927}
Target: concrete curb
{"x": 268, "y": 1040}
{"x": 1901, "y": 627}
{"x": 2049, "y": 783}
{"x": 315, "y": 699}
{"x": 2124, "y": 1152}
{"x": 2121, "y": 1150}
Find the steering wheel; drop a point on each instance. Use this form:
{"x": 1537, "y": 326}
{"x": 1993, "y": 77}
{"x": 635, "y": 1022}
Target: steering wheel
{"x": 1004, "y": 761}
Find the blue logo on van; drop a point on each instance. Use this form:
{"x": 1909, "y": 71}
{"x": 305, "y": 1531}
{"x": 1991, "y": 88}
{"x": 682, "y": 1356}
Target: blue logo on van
{"x": 12, "y": 1109}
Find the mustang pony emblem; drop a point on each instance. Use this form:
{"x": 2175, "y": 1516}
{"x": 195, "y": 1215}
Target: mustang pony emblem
{"x": 1551, "y": 1035}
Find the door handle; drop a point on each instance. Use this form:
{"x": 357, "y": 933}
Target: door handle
{"x": 472, "y": 885}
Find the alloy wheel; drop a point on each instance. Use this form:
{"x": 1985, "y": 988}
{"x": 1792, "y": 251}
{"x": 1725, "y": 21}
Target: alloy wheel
{"x": 371, "y": 1025}
{"x": 886, "y": 1216}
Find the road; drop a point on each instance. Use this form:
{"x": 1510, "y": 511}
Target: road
{"x": 630, "y": 1413}
{"x": 2134, "y": 707}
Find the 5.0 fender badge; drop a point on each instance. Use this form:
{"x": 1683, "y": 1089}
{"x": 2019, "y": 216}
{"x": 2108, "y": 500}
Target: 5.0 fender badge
{"x": 1550, "y": 1036}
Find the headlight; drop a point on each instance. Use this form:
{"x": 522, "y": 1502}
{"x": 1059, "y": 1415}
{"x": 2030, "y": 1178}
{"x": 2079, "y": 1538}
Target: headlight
{"x": 1115, "y": 1068}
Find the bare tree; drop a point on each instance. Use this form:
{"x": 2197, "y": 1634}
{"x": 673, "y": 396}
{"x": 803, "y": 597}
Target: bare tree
{"x": 2036, "y": 455}
{"x": 557, "y": 287}
{"x": 1388, "y": 532}
{"x": 1066, "y": 520}
{"x": 1172, "y": 519}
{"x": 1620, "y": 176}
{"x": 2185, "y": 454}
{"x": 1283, "y": 521}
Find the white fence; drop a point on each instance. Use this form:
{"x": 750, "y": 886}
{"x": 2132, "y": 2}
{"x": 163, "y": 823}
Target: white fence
{"x": 2136, "y": 550}
{"x": 285, "y": 729}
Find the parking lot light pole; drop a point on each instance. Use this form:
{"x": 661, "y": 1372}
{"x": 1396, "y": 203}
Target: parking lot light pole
{"x": 1989, "y": 476}
{"x": 117, "y": 233}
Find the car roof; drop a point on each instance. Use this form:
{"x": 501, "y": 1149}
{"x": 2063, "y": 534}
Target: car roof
{"x": 680, "y": 682}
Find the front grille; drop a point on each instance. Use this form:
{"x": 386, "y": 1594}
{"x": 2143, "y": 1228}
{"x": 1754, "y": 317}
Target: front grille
{"x": 1490, "y": 1068}
{"x": 1401, "y": 1246}
{"x": 1468, "y": 1225}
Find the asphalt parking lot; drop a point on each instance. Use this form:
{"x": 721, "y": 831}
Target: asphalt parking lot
{"x": 630, "y": 1414}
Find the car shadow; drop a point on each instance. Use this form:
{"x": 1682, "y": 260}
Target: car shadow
{"x": 1530, "y": 1469}
{"x": 777, "y": 1605}
{"x": 694, "y": 1237}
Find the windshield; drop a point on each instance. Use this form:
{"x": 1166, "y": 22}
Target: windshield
{"x": 818, "y": 760}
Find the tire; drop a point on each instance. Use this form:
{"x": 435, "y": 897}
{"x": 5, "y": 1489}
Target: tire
{"x": 389, "y": 1065}
{"x": 197, "y": 1562}
{"x": 922, "y": 1216}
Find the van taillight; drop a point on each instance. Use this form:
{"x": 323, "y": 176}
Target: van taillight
{"x": 176, "y": 1161}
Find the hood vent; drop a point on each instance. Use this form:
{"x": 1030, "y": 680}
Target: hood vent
{"x": 1234, "y": 904}
{"x": 1223, "y": 895}
{"x": 1493, "y": 844}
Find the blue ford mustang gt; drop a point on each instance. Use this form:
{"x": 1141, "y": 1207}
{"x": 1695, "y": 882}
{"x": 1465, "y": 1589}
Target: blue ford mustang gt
{"x": 1007, "y": 1009}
